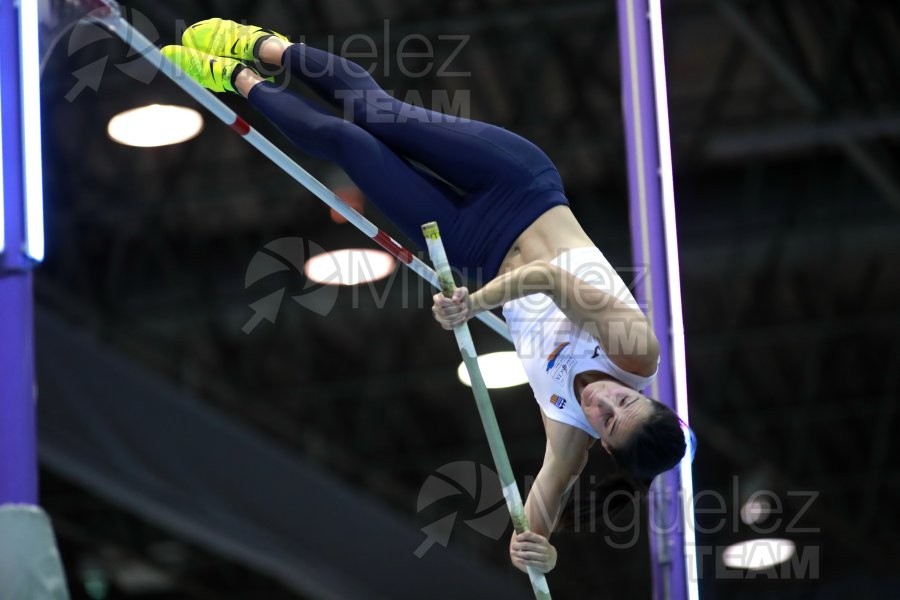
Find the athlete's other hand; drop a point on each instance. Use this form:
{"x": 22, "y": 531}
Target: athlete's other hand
{"x": 453, "y": 311}
{"x": 529, "y": 549}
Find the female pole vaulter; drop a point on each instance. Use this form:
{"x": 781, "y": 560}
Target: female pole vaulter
{"x": 585, "y": 344}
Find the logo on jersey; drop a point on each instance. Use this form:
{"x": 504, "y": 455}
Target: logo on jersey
{"x": 558, "y": 401}
{"x": 551, "y": 360}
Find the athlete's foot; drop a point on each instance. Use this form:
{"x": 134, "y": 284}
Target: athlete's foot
{"x": 212, "y": 72}
{"x": 220, "y": 37}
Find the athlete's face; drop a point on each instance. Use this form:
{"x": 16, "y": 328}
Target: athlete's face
{"x": 614, "y": 410}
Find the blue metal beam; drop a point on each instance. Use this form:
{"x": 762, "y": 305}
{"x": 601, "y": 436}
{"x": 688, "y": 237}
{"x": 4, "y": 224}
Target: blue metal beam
{"x": 18, "y": 458}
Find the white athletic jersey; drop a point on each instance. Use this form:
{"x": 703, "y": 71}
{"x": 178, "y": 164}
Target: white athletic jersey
{"x": 554, "y": 350}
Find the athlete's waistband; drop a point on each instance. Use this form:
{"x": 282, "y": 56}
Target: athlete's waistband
{"x": 517, "y": 219}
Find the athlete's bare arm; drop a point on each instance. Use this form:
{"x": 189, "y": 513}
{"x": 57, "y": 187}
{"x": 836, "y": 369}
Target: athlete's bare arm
{"x": 623, "y": 331}
{"x": 564, "y": 458}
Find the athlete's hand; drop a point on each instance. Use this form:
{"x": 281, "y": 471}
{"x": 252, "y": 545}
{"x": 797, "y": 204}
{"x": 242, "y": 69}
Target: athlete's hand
{"x": 453, "y": 311}
{"x": 529, "y": 549}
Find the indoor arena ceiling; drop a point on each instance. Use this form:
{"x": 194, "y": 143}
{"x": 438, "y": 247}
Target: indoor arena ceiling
{"x": 785, "y": 120}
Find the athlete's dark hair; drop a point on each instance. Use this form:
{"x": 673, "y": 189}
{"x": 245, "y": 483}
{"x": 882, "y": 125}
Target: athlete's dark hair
{"x": 656, "y": 447}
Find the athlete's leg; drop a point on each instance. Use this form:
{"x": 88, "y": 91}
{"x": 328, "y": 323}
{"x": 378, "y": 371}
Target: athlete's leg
{"x": 473, "y": 156}
{"x": 470, "y": 154}
{"x": 405, "y": 196}
{"x": 510, "y": 182}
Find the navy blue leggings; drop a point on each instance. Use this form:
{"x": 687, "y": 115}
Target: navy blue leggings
{"x": 500, "y": 182}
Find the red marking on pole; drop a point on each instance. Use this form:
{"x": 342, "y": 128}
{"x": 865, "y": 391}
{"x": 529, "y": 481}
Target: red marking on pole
{"x": 241, "y": 126}
{"x": 388, "y": 243}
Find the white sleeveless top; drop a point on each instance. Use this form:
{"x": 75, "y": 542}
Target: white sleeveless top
{"x": 554, "y": 350}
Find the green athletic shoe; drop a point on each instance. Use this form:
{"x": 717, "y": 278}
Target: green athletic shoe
{"x": 212, "y": 72}
{"x": 227, "y": 38}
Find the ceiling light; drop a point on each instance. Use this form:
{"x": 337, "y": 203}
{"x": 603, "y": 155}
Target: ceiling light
{"x": 155, "y": 125}
{"x": 499, "y": 370}
{"x": 755, "y": 509}
{"x": 349, "y": 267}
{"x": 758, "y": 554}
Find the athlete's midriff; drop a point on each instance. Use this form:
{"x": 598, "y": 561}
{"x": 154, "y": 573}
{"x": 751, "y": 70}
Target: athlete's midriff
{"x": 552, "y": 233}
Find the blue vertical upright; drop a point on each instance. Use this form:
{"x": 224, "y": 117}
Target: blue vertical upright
{"x": 18, "y": 454}
{"x": 654, "y": 247}
{"x": 30, "y": 565}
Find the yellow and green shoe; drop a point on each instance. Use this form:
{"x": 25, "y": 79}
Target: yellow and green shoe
{"x": 220, "y": 37}
{"x": 212, "y": 72}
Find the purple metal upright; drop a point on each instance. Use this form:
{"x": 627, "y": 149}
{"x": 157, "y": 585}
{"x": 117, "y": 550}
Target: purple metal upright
{"x": 654, "y": 247}
{"x": 30, "y": 564}
{"x": 18, "y": 454}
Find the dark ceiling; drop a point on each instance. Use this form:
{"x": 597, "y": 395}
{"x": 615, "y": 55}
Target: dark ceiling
{"x": 785, "y": 123}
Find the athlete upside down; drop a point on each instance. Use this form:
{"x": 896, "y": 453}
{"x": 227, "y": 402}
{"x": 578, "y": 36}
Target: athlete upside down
{"x": 585, "y": 344}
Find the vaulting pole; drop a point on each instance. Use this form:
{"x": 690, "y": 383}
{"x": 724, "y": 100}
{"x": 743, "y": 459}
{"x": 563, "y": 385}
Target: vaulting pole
{"x": 655, "y": 251}
{"x": 483, "y": 402}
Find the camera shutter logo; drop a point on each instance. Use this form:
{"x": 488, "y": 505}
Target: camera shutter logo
{"x": 473, "y": 484}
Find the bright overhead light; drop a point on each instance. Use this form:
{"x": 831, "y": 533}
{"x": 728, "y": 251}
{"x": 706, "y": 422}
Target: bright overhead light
{"x": 755, "y": 509}
{"x": 758, "y": 554}
{"x": 499, "y": 370}
{"x": 351, "y": 266}
{"x": 155, "y": 125}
